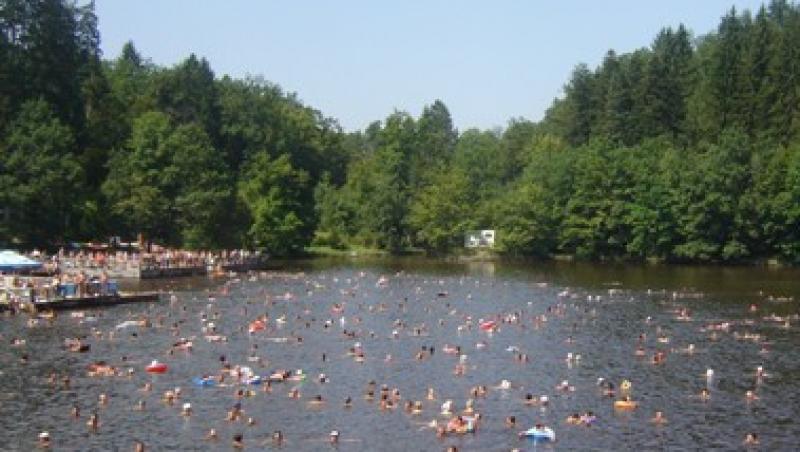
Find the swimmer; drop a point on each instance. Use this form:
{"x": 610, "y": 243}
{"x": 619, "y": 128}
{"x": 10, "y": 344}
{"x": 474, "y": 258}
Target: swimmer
{"x": 94, "y": 422}
{"x": 187, "y": 409}
{"x": 446, "y": 408}
{"x": 348, "y": 402}
{"x": 138, "y": 446}
{"x": 44, "y": 440}
{"x": 211, "y": 435}
{"x": 588, "y": 418}
{"x": 431, "y": 394}
{"x": 238, "y": 441}
{"x": 751, "y": 439}
{"x": 573, "y": 419}
{"x": 334, "y": 437}
{"x": 659, "y": 418}
{"x": 139, "y": 406}
{"x": 76, "y": 411}
{"x": 277, "y": 437}
{"x": 511, "y": 421}
{"x": 750, "y": 396}
{"x": 103, "y": 399}
{"x": 705, "y": 395}
{"x": 565, "y": 386}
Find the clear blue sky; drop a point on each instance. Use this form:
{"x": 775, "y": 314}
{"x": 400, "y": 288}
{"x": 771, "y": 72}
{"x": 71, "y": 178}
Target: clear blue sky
{"x": 357, "y": 61}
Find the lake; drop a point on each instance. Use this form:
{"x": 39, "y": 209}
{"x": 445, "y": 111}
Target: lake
{"x": 737, "y": 318}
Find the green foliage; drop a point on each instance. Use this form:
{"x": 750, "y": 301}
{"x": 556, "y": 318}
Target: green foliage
{"x": 169, "y": 183}
{"x": 270, "y": 190}
{"x": 40, "y": 178}
{"x": 441, "y": 212}
{"x": 686, "y": 150}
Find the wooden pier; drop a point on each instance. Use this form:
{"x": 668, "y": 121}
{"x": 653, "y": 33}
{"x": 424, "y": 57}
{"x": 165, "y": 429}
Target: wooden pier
{"x": 86, "y": 302}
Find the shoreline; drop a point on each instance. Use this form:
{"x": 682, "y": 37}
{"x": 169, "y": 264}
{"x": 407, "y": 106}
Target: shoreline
{"x": 493, "y": 256}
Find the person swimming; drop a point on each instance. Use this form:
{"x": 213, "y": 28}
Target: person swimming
{"x": 659, "y": 418}
{"x": 44, "y": 440}
{"x": 238, "y": 441}
{"x": 94, "y": 422}
{"x": 751, "y": 439}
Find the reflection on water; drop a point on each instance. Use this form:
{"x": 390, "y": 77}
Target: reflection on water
{"x": 603, "y": 309}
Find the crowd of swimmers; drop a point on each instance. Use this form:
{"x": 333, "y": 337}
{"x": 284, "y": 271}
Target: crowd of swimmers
{"x": 450, "y": 420}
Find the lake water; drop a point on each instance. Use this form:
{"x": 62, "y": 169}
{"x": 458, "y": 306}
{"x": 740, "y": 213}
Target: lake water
{"x": 603, "y": 308}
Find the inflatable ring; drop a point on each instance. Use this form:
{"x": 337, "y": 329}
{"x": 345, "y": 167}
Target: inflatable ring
{"x": 625, "y": 404}
{"x": 156, "y": 368}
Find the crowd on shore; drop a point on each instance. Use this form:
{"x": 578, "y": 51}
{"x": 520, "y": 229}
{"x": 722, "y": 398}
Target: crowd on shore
{"x": 98, "y": 258}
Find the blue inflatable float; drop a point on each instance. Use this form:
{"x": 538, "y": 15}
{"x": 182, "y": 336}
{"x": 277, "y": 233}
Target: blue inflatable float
{"x": 204, "y": 381}
{"x": 540, "y": 434}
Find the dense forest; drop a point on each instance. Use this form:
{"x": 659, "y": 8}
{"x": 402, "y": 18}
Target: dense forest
{"x": 686, "y": 150}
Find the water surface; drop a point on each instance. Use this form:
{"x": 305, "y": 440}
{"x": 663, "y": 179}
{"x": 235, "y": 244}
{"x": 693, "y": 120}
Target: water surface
{"x": 603, "y": 308}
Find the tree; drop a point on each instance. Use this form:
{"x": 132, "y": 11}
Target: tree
{"x": 187, "y": 93}
{"x": 436, "y": 139}
{"x": 666, "y": 82}
{"x": 579, "y": 106}
{"x": 135, "y": 189}
{"x": 201, "y": 184}
{"x": 170, "y": 183}
{"x": 440, "y": 213}
{"x": 40, "y": 179}
{"x": 271, "y": 190}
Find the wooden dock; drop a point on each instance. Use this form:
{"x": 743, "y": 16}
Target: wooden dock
{"x": 98, "y": 301}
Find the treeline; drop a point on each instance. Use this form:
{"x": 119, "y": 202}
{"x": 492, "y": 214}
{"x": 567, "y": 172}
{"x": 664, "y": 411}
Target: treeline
{"x": 93, "y": 148}
{"x": 686, "y": 150}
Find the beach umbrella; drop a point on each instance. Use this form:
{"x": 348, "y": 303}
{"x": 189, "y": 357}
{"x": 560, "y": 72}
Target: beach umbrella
{"x": 13, "y": 261}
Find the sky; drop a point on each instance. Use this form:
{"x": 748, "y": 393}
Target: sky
{"x": 359, "y": 60}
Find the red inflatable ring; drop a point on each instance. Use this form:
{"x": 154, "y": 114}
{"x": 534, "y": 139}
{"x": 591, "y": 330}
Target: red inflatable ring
{"x": 156, "y": 367}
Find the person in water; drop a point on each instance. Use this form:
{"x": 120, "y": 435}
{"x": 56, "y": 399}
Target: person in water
{"x": 751, "y": 439}
{"x": 94, "y": 422}
{"x": 44, "y": 440}
{"x": 238, "y": 441}
{"x": 659, "y": 418}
